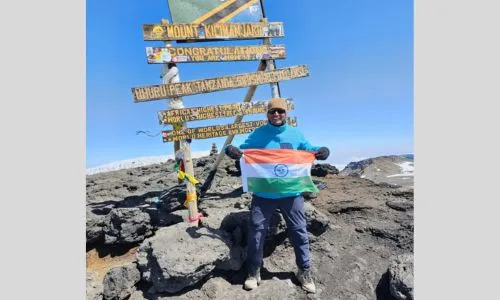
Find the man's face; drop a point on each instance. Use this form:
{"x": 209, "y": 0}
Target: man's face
{"x": 276, "y": 116}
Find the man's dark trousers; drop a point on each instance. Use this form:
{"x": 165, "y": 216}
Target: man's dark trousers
{"x": 261, "y": 211}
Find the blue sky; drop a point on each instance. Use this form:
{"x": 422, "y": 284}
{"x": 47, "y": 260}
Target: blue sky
{"x": 357, "y": 100}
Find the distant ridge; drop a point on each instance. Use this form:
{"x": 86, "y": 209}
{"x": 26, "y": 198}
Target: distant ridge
{"x": 393, "y": 169}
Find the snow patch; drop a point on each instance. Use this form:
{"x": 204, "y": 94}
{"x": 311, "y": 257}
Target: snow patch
{"x": 137, "y": 162}
{"x": 407, "y": 169}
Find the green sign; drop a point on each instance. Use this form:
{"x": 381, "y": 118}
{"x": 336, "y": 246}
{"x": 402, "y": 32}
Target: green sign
{"x": 215, "y": 11}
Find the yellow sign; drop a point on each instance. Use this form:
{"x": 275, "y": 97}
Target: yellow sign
{"x": 173, "y": 116}
{"x": 217, "y": 130}
{"x": 213, "y": 31}
{"x": 161, "y": 55}
{"x": 180, "y": 89}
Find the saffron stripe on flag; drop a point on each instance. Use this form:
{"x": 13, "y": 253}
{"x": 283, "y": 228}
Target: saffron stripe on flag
{"x": 281, "y": 185}
{"x": 277, "y": 156}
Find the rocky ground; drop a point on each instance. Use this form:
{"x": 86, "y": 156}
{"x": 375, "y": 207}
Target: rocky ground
{"x": 140, "y": 247}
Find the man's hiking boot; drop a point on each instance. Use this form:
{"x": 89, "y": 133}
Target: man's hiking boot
{"x": 253, "y": 279}
{"x": 306, "y": 281}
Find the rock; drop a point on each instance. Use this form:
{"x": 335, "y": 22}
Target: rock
{"x": 309, "y": 195}
{"x": 179, "y": 256}
{"x": 401, "y": 205}
{"x": 347, "y": 207}
{"x": 215, "y": 288}
{"x": 161, "y": 218}
{"x": 119, "y": 282}
{"x": 276, "y": 290}
{"x": 205, "y": 161}
{"x": 214, "y": 150}
{"x": 317, "y": 222}
{"x": 401, "y": 277}
{"x": 94, "y": 288}
{"x": 173, "y": 198}
{"x": 237, "y": 257}
{"x": 127, "y": 225}
{"x": 405, "y": 193}
{"x": 350, "y": 248}
{"x": 321, "y": 170}
{"x": 137, "y": 295}
{"x": 94, "y": 229}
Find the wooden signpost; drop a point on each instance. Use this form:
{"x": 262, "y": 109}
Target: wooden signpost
{"x": 217, "y": 130}
{"x": 160, "y": 55}
{"x": 216, "y": 111}
{"x": 212, "y": 31}
{"x": 186, "y": 88}
{"x": 201, "y": 21}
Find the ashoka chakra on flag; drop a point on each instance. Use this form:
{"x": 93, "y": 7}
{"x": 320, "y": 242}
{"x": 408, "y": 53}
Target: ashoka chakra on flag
{"x": 277, "y": 171}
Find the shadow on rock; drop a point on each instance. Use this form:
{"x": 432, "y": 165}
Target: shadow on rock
{"x": 266, "y": 275}
{"x": 382, "y": 291}
{"x": 233, "y": 194}
{"x": 132, "y": 201}
{"x": 215, "y": 234}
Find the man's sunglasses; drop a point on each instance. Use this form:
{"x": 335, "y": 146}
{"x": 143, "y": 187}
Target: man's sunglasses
{"x": 279, "y": 110}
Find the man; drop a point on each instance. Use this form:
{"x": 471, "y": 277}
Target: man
{"x": 276, "y": 134}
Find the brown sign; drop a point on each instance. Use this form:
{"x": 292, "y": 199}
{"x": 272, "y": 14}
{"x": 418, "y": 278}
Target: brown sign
{"x": 212, "y": 31}
{"x": 161, "y": 55}
{"x": 217, "y": 130}
{"x": 212, "y": 112}
{"x": 180, "y": 89}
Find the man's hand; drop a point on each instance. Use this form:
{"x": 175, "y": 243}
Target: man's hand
{"x": 322, "y": 153}
{"x": 233, "y": 152}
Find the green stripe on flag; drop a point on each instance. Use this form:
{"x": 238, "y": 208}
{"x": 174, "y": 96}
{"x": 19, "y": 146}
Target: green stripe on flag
{"x": 281, "y": 185}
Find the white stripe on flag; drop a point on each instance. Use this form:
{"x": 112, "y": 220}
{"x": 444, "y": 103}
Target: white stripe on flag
{"x": 272, "y": 171}
{"x": 276, "y": 170}
{"x": 243, "y": 177}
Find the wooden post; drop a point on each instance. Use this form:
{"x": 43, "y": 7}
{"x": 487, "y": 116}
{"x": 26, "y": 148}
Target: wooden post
{"x": 163, "y": 73}
{"x": 191, "y": 200}
{"x": 191, "y": 197}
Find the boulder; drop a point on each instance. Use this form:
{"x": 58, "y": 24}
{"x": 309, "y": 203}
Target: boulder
{"x": 126, "y": 226}
{"x": 401, "y": 277}
{"x": 179, "y": 256}
{"x": 94, "y": 288}
{"x": 119, "y": 282}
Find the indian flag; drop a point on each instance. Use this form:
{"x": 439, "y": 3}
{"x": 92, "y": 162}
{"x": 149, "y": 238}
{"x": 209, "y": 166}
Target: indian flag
{"x": 277, "y": 171}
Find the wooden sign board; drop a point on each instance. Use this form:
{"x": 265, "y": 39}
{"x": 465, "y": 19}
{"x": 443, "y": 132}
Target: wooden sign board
{"x": 215, "y": 31}
{"x": 215, "y": 11}
{"x": 173, "y": 116}
{"x": 161, "y": 55}
{"x": 180, "y": 89}
{"x": 217, "y": 130}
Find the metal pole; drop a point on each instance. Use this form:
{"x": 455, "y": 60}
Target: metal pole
{"x": 248, "y": 97}
{"x": 275, "y": 87}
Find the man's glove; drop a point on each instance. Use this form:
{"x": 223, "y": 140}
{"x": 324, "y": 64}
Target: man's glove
{"x": 322, "y": 153}
{"x": 233, "y": 152}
